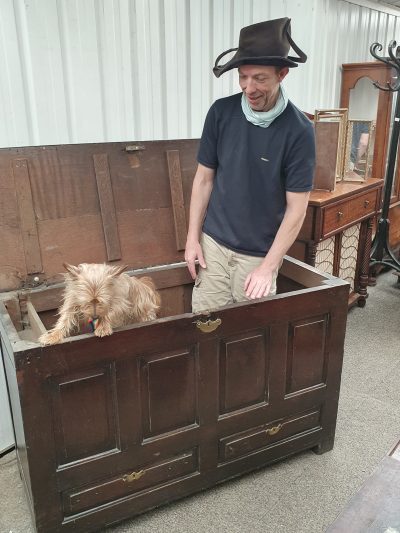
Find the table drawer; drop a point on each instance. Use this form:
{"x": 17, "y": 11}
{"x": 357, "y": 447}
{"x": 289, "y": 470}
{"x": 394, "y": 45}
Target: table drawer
{"x": 348, "y": 212}
{"x": 244, "y": 443}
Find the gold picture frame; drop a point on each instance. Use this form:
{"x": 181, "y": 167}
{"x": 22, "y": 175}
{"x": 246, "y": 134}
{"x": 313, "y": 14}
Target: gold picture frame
{"x": 339, "y": 115}
{"x": 359, "y": 150}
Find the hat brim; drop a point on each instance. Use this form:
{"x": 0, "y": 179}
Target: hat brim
{"x": 273, "y": 61}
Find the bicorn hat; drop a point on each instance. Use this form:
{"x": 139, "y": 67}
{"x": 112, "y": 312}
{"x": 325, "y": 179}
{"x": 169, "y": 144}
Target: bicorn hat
{"x": 264, "y": 43}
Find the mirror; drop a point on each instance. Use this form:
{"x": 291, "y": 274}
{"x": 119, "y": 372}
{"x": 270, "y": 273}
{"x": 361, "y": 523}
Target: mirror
{"x": 359, "y": 150}
{"x": 363, "y": 103}
{"x": 360, "y": 137}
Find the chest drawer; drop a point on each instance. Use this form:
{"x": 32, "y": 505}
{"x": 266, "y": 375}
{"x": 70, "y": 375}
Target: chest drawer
{"x": 129, "y": 483}
{"x": 247, "y": 442}
{"x": 348, "y": 212}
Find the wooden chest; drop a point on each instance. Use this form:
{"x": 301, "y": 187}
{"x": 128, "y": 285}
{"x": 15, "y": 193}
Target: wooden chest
{"x": 108, "y": 428}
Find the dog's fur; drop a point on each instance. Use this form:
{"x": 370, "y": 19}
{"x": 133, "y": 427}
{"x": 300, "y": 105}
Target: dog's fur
{"x": 104, "y": 293}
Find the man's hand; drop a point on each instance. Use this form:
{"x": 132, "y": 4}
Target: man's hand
{"x": 201, "y": 191}
{"x": 258, "y": 283}
{"x": 193, "y": 251}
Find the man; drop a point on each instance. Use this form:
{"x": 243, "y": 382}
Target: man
{"x": 255, "y": 171}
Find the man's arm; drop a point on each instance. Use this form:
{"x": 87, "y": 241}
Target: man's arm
{"x": 258, "y": 282}
{"x": 201, "y": 191}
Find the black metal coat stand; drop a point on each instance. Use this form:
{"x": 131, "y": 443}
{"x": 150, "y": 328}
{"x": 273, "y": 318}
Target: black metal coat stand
{"x": 381, "y": 253}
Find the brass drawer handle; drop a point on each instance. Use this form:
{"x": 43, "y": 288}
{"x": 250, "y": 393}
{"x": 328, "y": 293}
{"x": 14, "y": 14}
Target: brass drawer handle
{"x": 208, "y": 325}
{"x": 134, "y": 476}
{"x": 274, "y": 430}
{"x": 340, "y": 214}
{"x": 366, "y": 203}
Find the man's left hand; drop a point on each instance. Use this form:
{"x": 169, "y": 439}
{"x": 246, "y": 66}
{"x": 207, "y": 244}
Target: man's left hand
{"x": 258, "y": 283}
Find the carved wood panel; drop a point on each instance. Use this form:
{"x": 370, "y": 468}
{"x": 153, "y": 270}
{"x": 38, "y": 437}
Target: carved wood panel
{"x": 85, "y": 415}
{"x": 306, "y": 355}
{"x": 169, "y": 391}
{"x": 243, "y": 371}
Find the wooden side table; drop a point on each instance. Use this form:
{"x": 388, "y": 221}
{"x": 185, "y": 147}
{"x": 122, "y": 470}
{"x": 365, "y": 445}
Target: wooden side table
{"x": 337, "y": 232}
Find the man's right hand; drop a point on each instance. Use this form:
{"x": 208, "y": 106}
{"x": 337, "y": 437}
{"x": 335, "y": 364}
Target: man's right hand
{"x": 201, "y": 191}
{"x": 193, "y": 251}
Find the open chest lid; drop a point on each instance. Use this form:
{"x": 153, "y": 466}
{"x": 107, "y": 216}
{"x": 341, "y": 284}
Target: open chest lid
{"x": 120, "y": 203}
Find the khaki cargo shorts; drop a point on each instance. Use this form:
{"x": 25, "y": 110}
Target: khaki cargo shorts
{"x": 222, "y": 282}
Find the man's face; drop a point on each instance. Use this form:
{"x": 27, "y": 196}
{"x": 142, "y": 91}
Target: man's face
{"x": 260, "y": 84}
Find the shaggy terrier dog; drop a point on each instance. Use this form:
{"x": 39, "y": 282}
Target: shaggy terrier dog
{"x": 104, "y": 296}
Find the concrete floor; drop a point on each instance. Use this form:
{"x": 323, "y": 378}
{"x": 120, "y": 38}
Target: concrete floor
{"x": 305, "y": 493}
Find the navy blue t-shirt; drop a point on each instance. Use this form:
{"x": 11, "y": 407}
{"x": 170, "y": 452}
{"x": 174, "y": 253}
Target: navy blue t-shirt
{"x": 254, "y": 168}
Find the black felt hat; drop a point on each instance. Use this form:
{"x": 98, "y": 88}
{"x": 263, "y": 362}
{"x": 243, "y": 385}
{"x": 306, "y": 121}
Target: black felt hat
{"x": 264, "y": 43}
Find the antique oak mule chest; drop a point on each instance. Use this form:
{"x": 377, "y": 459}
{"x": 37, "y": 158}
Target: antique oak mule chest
{"x": 107, "y": 428}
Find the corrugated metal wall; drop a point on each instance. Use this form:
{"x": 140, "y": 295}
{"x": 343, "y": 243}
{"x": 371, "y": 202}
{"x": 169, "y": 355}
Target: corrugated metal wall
{"x": 77, "y": 71}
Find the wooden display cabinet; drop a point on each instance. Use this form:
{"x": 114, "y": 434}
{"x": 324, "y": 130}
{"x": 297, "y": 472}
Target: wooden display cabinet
{"x": 107, "y": 428}
{"x": 336, "y": 234}
{"x": 352, "y": 75}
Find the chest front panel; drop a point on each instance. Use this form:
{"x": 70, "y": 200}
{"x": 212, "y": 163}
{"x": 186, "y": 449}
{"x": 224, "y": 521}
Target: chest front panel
{"x": 163, "y": 406}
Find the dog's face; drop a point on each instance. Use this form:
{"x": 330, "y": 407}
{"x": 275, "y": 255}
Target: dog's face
{"x": 92, "y": 288}
{"x": 93, "y": 298}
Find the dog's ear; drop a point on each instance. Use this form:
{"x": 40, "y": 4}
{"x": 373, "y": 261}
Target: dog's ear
{"x": 117, "y": 270}
{"x": 72, "y": 270}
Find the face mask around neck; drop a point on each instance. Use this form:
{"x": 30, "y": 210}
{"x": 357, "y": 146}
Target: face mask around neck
{"x": 263, "y": 119}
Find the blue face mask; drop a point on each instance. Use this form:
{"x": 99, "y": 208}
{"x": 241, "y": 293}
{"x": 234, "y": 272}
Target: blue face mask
{"x": 265, "y": 118}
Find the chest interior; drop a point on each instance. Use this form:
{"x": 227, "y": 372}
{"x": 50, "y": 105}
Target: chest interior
{"x": 34, "y": 311}
{"x": 118, "y": 203}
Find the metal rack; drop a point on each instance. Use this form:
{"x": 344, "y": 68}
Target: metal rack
{"x": 381, "y": 252}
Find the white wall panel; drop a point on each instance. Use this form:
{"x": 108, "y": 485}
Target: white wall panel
{"x": 14, "y": 124}
{"x": 110, "y": 70}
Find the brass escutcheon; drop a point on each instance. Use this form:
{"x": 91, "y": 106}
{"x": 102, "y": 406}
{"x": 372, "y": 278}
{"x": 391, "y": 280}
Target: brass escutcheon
{"x": 134, "y": 148}
{"x": 208, "y": 325}
{"x": 366, "y": 203}
{"x": 340, "y": 214}
{"x": 134, "y": 476}
{"x": 274, "y": 430}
